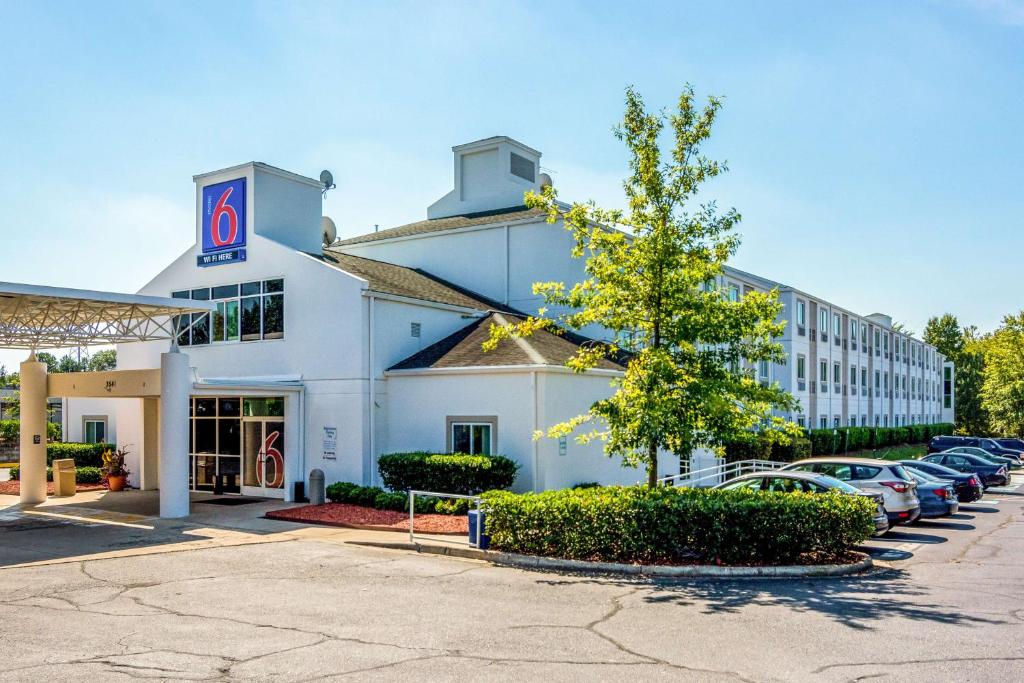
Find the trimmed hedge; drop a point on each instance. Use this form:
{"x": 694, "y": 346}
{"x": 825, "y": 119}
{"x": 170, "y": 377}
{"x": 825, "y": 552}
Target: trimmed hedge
{"x": 446, "y": 473}
{"x": 374, "y": 497}
{"x": 835, "y": 441}
{"x": 84, "y": 454}
{"x": 83, "y": 475}
{"x": 760, "y": 449}
{"x": 636, "y": 524}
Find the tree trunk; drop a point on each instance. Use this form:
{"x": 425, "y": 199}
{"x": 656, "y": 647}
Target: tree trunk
{"x": 652, "y": 465}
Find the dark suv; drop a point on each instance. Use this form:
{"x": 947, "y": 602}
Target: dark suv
{"x": 944, "y": 443}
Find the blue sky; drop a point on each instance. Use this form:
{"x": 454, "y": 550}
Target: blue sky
{"x": 875, "y": 147}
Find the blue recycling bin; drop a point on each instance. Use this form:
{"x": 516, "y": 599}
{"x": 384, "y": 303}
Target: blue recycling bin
{"x": 479, "y": 517}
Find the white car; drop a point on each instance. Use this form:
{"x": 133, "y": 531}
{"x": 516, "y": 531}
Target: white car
{"x": 898, "y": 488}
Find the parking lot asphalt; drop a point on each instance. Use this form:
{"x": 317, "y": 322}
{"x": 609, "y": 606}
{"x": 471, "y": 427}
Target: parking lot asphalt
{"x": 125, "y": 598}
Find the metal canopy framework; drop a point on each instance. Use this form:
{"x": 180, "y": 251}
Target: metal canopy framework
{"x": 37, "y": 317}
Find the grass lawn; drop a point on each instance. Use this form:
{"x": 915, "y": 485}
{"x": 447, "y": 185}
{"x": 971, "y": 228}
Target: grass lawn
{"x": 901, "y": 452}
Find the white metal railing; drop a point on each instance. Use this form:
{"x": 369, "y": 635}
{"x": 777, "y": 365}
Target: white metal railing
{"x": 475, "y": 500}
{"x": 712, "y": 476}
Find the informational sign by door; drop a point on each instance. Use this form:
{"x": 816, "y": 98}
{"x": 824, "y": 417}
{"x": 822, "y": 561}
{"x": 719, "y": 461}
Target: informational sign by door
{"x": 330, "y": 443}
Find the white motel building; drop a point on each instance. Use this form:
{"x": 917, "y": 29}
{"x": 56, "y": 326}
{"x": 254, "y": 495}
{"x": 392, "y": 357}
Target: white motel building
{"x": 325, "y": 357}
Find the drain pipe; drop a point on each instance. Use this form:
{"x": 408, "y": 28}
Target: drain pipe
{"x": 536, "y": 444}
{"x": 371, "y": 392}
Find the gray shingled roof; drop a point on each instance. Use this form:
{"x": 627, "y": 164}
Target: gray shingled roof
{"x": 465, "y": 348}
{"x": 388, "y": 278}
{"x": 513, "y": 213}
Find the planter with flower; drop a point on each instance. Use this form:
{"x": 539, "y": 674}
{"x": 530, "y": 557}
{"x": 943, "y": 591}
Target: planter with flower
{"x": 114, "y": 469}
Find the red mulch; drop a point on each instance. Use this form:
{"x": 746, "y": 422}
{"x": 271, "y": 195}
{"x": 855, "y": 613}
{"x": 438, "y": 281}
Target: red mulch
{"x": 359, "y": 517}
{"x": 13, "y": 488}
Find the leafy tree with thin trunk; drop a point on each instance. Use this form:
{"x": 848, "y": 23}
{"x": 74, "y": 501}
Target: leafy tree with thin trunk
{"x": 692, "y": 348}
{"x": 961, "y": 345}
{"x": 1002, "y": 390}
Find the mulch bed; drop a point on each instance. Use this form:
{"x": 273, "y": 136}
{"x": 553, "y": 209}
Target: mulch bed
{"x": 359, "y": 517}
{"x": 13, "y": 488}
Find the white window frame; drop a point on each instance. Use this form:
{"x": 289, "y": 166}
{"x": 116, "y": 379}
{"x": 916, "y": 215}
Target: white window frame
{"x": 452, "y": 421}
{"x": 99, "y": 419}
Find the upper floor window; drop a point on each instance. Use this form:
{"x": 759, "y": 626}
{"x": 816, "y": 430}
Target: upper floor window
{"x": 801, "y": 312}
{"x": 245, "y": 312}
{"x": 864, "y": 334}
{"x": 734, "y": 292}
{"x": 801, "y": 367}
{"x": 837, "y": 325}
{"x": 823, "y": 321}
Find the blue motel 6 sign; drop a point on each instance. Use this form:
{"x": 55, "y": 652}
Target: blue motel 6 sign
{"x": 224, "y": 225}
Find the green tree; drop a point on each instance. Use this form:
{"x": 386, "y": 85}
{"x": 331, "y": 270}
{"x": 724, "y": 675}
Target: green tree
{"x": 49, "y": 359}
{"x": 103, "y": 360}
{"x": 961, "y": 345}
{"x": 1002, "y": 390}
{"x": 689, "y": 380}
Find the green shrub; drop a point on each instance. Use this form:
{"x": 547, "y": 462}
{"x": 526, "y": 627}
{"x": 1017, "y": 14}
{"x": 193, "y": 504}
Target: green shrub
{"x": 755, "y": 448}
{"x": 83, "y": 475}
{"x": 446, "y": 473}
{"x": 796, "y": 449}
{"x": 375, "y": 497}
{"x": 586, "y": 485}
{"x": 451, "y": 506}
{"x": 638, "y": 524}
{"x": 84, "y": 454}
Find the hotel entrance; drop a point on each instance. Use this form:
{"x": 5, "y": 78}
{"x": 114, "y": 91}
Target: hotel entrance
{"x": 237, "y": 445}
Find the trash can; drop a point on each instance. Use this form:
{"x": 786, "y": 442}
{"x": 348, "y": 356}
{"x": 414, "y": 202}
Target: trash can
{"x": 478, "y": 517}
{"x": 64, "y": 477}
{"x": 316, "y": 487}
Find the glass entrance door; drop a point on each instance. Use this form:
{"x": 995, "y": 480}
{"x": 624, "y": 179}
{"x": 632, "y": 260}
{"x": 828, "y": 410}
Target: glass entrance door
{"x": 263, "y": 457}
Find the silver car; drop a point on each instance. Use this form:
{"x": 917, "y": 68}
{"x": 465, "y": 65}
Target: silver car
{"x": 807, "y": 482}
{"x": 898, "y": 488}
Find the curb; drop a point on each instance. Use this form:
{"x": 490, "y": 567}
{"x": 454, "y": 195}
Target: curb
{"x": 694, "y": 571}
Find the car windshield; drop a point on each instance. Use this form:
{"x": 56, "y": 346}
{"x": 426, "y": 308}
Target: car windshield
{"x": 834, "y": 483}
{"x": 745, "y": 483}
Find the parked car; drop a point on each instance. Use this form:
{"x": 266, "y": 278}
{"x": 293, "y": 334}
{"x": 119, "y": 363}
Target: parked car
{"x": 990, "y": 473}
{"x": 1013, "y": 444}
{"x": 898, "y": 488}
{"x": 807, "y": 482}
{"x": 938, "y": 498}
{"x": 967, "y": 484}
{"x": 1010, "y": 461}
{"x": 939, "y": 444}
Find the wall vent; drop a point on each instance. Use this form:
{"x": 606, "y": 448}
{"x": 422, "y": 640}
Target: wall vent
{"x": 522, "y": 167}
{"x": 414, "y": 330}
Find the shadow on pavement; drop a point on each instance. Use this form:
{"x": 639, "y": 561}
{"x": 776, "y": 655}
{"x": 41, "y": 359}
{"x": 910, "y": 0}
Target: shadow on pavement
{"x": 898, "y": 535}
{"x": 856, "y": 602}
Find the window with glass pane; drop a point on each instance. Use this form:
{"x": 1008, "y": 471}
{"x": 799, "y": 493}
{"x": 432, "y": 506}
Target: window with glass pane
{"x": 801, "y": 371}
{"x": 95, "y": 431}
{"x": 200, "y": 328}
{"x": 800, "y": 313}
{"x": 251, "y": 318}
{"x": 273, "y": 316}
{"x": 471, "y": 438}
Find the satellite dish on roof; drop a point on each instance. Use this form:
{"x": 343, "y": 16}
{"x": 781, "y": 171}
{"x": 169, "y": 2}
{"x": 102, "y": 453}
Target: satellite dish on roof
{"x": 545, "y": 180}
{"x": 328, "y": 230}
{"x": 327, "y": 180}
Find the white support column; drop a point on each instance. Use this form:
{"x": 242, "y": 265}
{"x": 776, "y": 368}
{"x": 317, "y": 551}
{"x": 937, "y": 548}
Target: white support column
{"x": 175, "y": 389}
{"x": 32, "y": 448}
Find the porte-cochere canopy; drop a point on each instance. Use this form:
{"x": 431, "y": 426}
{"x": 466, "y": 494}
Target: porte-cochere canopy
{"x": 38, "y": 317}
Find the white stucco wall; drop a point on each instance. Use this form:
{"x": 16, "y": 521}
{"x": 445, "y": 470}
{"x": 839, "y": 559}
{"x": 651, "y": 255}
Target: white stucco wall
{"x": 418, "y": 405}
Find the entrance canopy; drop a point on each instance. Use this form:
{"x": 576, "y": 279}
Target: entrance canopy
{"x": 38, "y": 317}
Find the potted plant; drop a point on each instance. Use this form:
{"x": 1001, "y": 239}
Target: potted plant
{"x": 113, "y": 467}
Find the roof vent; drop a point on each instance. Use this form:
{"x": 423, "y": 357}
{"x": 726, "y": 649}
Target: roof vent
{"x": 522, "y": 167}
